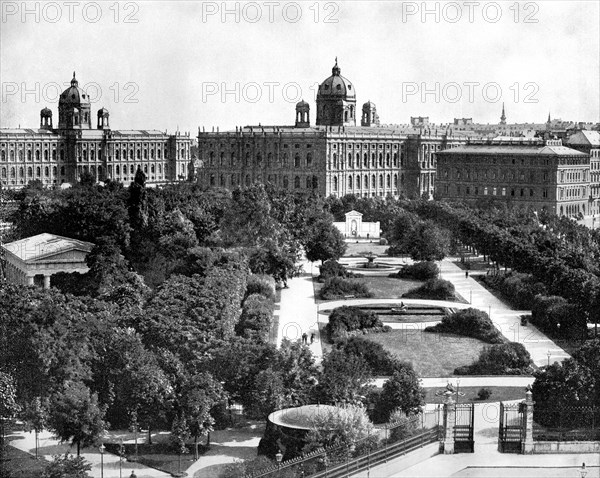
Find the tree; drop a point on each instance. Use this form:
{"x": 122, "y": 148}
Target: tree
{"x": 344, "y": 379}
{"x": 8, "y": 404}
{"x": 402, "y": 390}
{"x": 36, "y": 418}
{"x": 76, "y": 415}
{"x": 428, "y": 242}
{"x": 324, "y": 242}
{"x": 179, "y": 434}
{"x": 67, "y": 466}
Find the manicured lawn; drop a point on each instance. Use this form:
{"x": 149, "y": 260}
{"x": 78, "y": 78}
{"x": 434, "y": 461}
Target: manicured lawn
{"x": 388, "y": 287}
{"x": 499, "y": 394}
{"x": 432, "y": 355}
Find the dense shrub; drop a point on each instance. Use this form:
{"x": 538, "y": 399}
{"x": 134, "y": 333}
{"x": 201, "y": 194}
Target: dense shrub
{"x": 396, "y": 250}
{"x": 470, "y": 323}
{"x": 256, "y": 319}
{"x": 556, "y": 316}
{"x": 437, "y": 289}
{"x": 333, "y": 268}
{"x": 338, "y": 288}
{"x": 484, "y": 393}
{"x": 345, "y": 319}
{"x": 404, "y": 426}
{"x": 379, "y": 360}
{"x": 401, "y": 391}
{"x": 519, "y": 289}
{"x": 511, "y": 358}
{"x": 261, "y": 284}
{"x": 383, "y": 241}
{"x": 419, "y": 271}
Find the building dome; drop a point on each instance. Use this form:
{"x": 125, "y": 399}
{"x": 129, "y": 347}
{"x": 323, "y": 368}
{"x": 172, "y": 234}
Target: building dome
{"x": 46, "y": 111}
{"x": 336, "y": 85}
{"x": 302, "y": 104}
{"x": 73, "y": 95}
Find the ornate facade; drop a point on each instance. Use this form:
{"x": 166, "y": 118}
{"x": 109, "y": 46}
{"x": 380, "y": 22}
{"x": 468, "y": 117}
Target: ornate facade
{"x": 57, "y": 155}
{"x": 334, "y": 157}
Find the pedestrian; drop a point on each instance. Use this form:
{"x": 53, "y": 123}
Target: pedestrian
{"x": 312, "y": 337}
{"x": 304, "y": 338}
{"x": 467, "y": 274}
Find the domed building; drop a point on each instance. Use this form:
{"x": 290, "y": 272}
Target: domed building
{"x": 60, "y": 156}
{"x": 74, "y": 108}
{"x": 336, "y": 100}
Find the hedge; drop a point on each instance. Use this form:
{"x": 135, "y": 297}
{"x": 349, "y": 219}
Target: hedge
{"x": 261, "y": 284}
{"x": 554, "y": 315}
{"x": 379, "y": 360}
{"x": 469, "y": 323}
{"x": 338, "y": 288}
{"x": 419, "y": 271}
{"x": 256, "y": 319}
{"x": 347, "y": 318}
{"x": 333, "y": 268}
{"x": 519, "y": 289}
{"x": 501, "y": 359}
{"x": 436, "y": 289}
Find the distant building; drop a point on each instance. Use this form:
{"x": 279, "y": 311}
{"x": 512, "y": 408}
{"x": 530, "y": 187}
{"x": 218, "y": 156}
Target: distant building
{"x": 33, "y": 261}
{"x": 588, "y": 142}
{"x": 334, "y": 157}
{"x": 62, "y": 154}
{"x": 524, "y": 173}
{"x": 354, "y": 227}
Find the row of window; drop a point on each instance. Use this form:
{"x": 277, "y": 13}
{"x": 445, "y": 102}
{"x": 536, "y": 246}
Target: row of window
{"x": 299, "y": 161}
{"x": 522, "y": 175}
{"x": 495, "y": 191}
{"x": 376, "y": 161}
{"x": 233, "y": 180}
{"x": 83, "y": 154}
{"x": 365, "y": 182}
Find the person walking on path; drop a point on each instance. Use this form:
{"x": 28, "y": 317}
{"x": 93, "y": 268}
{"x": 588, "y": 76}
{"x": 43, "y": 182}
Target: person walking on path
{"x": 467, "y": 274}
{"x": 304, "y": 338}
{"x": 312, "y": 337}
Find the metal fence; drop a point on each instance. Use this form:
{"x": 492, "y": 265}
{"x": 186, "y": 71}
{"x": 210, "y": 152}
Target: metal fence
{"x": 388, "y": 442}
{"x": 566, "y": 424}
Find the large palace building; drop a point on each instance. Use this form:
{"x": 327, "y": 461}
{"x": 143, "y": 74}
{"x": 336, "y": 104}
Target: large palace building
{"x": 334, "y": 157}
{"x": 528, "y": 173}
{"x": 62, "y": 154}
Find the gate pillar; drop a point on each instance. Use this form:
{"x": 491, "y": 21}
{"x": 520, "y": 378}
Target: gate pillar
{"x": 527, "y": 404}
{"x": 449, "y": 423}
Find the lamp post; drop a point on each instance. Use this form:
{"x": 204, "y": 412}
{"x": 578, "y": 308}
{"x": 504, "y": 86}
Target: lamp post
{"x": 121, "y": 450}
{"x": 102, "y": 449}
{"x": 279, "y": 457}
{"x": 582, "y": 471}
{"x": 471, "y": 296}
{"x": 548, "y": 354}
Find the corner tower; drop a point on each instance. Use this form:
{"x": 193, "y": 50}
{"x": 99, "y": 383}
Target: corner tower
{"x": 336, "y": 100}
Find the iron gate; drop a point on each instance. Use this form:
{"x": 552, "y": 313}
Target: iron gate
{"x": 510, "y": 434}
{"x": 463, "y": 429}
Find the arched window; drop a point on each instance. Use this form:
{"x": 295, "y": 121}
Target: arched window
{"x": 29, "y": 172}
{"x": 117, "y": 154}
{"x": 308, "y": 183}
{"x": 372, "y": 160}
{"x": 388, "y": 181}
{"x": 145, "y": 154}
{"x": 160, "y": 169}
{"x": 28, "y": 155}
{"x": 309, "y": 159}
{"x": 3, "y": 155}
{"x": 152, "y": 169}
{"x": 131, "y": 154}
{"x": 4, "y": 172}
{"x": 222, "y": 180}
{"x": 335, "y": 161}
{"x": 232, "y": 160}
{"x": 117, "y": 170}
{"x": 37, "y": 154}
{"x": 297, "y": 182}
{"x": 62, "y": 170}
{"x": 138, "y": 154}
{"x": 46, "y": 171}
{"x": 54, "y": 171}
{"x": 395, "y": 180}
{"x": 380, "y": 162}
{"x": 212, "y": 179}
{"x": 151, "y": 154}
{"x": 349, "y": 182}
{"x": 381, "y": 180}
{"x": 246, "y": 160}
{"x": 259, "y": 159}
{"x": 357, "y": 182}
{"x": 335, "y": 183}
{"x": 38, "y": 172}
{"x": 132, "y": 169}
{"x": 286, "y": 182}
{"x": 366, "y": 185}
{"x": 315, "y": 182}
{"x": 365, "y": 160}
{"x": 296, "y": 160}
{"x": 12, "y": 172}
{"x": 46, "y": 155}
{"x": 387, "y": 160}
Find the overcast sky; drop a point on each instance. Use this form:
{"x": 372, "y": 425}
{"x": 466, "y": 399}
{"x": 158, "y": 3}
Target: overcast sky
{"x": 163, "y": 65}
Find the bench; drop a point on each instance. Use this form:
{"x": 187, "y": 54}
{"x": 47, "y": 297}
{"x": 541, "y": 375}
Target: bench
{"x": 349, "y": 296}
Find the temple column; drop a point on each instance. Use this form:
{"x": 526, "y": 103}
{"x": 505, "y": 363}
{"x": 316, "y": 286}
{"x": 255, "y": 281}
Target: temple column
{"x": 47, "y": 281}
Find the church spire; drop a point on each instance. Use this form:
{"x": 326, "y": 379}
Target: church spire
{"x": 336, "y": 70}
{"x": 503, "y": 117}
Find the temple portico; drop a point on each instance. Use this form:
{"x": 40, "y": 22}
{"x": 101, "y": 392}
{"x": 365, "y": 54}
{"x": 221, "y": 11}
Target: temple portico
{"x": 33, "y": 261}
